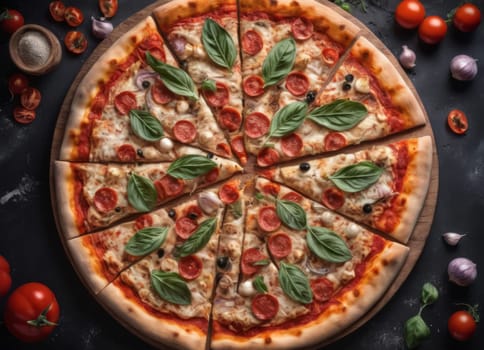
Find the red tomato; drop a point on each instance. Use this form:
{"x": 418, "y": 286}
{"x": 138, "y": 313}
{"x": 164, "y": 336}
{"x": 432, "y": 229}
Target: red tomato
{"x": 410, "y": 13}
{"x": 73, "y": 16}
{"x": 23, "y": 115}
{"x": 11, "y": 20}
{"x": 432, "y": 30}
{"x": 30, "y": 98}
{"x": 457, "y": 121}
{"x": 17, "y": 83}
{"x": 461, "y": 325}
{"x": 31, "y": 312}
{"x": 467, "y": 17}
{"x": 108, "y": 7}
{"x": 57, "y": 10}
{"x": 5, "y": 282}
{"x": 75, "y": 42}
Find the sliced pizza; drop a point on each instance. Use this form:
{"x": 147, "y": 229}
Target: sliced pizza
{"x": 204, "y": 37}
{"x": 129, "y": 106}
{"x": 167, "y": 294}
{"x": 384, "y": 186}
{"x": 92, "y": 196}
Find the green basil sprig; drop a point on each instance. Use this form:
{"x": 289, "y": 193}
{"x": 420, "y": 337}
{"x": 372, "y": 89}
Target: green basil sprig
{"x": 291, "y": 214}
{"x": 339, "y": 115}
{"x": 288, "y": 119}
{"x": 327, "y": 245}
{"x": 190, "y": 166}
{"x": 146, "y": 240}
{"x": 260, "y": 285}
{"x": 279, "y": 62}
{"x": 145, "y": 126}
{"x": 218, "y": 44}
{"x": 142, "y": 193}
{"x": 356, "y": 177}
{"x": 175, "y": 79}
{"x": 295, "y": 283}
{"x": 171, "y": 287}
{"x": 209, "y": 85}
{"x": 198, "y": 239}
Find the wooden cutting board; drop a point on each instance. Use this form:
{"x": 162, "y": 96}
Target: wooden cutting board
{"x": 421, "y": 231}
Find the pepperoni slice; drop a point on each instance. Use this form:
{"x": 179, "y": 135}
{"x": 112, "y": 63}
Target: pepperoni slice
{"x": 223, "y": 149}
{"x": 98, "y": 104}
{"x": 252, "y": 42}
{"x": 297, "y": 83}
{"x": 257, "y": 124}
{"x": 219, "y": 97}
{"x": 229, "y": 193}
{"x": 271, "y": 189}
{"x": 265, "y": 306}
{"x": 253, "y": 86}
{"x": 293, "y": 197}
{"x": 268, "y": 220}
{"x": 184, "y": 227}
{"x": 105, "y": 199}
{"x": 124, "y": 102}
{"x": 230, "y": 118}
{"x": 193, "y": 211}
{"x": 238, "y": 148}
{"x": 249, "y": 257}
{"x": 268, "y": 156}
{"x": 143, "y": 221}
{"x": 280, "y": 245}
{"x": 184, "y": 131}
{"x": 330, "y": 55}
{"x": 333, "y": 198}
{"x": 322, "y": 289}
{"x": 291, "y": 145}
{"x": 212, "y": 175}
{"x": 334, "y": 141}
{"x": 302, "y": 28}
{"x": 190, "y": 267}
{"x": 160, "y": 93}
{"x": 126, "y": 153}
{"x": 169, "y": 186}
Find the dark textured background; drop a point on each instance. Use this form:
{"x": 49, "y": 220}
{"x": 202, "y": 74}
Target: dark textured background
{"x": 28, "y": 237}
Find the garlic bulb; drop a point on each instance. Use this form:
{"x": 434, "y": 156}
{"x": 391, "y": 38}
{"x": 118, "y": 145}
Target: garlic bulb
{"x": 101, "y": 28}
{"x": 407, "y": 57}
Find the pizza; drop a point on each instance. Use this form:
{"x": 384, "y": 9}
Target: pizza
{"x": 241, "y": 174}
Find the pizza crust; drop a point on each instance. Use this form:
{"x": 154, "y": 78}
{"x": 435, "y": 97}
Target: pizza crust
{"x": 64, "y": 188}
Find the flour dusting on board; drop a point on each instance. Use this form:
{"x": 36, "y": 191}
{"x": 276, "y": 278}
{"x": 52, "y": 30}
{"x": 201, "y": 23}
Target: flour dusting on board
{"x": 88, "y": 338}
{"x": 22, "y": 193}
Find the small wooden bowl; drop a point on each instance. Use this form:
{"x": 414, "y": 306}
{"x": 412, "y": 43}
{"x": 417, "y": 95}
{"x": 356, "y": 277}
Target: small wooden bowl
{"x": 54, "y": 56}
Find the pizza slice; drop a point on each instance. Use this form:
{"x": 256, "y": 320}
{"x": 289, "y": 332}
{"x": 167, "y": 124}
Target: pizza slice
{"x": 125, "y": 110}
{"x": 166, "y": 296}
{"x": 384, "y": 186}
{"x": 92, "y": 196}
{"x": 204, "y": 37}
{"x": 366, "y": 99}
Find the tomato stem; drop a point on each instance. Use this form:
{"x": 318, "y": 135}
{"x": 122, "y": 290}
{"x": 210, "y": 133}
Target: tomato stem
{"x": 472, "y": 309}
{"x": 41, "y": 320}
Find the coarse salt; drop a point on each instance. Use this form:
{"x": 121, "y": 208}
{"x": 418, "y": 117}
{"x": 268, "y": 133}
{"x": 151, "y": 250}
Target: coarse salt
{"x": 34, "y": 48}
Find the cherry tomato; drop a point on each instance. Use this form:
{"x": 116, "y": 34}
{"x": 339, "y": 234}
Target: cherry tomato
{"x": 17, "y": 83}
{"x": 5, "y": 282}
{"x": 73, "y": 16}
{"x": 32, "y": 312}
{"x": 30, "y": 98}
{"x": 461, "y": 325}
{"x": 457, "y": 121}
{"x": 11, "y": 20}
{"x": 57, "y": 10}
{"x": 410, "y": 13}
{"x": 23, "y": 115}
{"x": 75, "y": 42}
{"x": 467, "y": 17}
{"x": 432, "y": 30}
{"x": 108, "y": 7}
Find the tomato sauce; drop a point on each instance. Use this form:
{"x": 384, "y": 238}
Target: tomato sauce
{"x": 80, "y": 203}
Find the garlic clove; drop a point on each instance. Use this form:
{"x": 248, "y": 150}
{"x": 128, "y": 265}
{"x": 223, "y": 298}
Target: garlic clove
{"x": 100, "y": 27}
{"x": 452, "y": 238}
{"x": 407, "y": 57}
{"x": 209, "y": 202}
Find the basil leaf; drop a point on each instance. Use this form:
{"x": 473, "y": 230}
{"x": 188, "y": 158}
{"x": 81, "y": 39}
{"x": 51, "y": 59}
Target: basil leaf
{"x": 175, "y": 79}
{"x": 259, "y": 196}
{"x": 339, "y": 115}
{"x": 295, "y": 283}
{"x": 218, "y": 44}
{"x": 356, "y": 177}
{"x": 263, "y": 262}
{"x": 145, "y": 126}
{"x": 171, "y": 287}
{"x": 146, "y": 240}
{"x": 198, "y": 239}
{"x": 327, "y": 245}
{"x": 414, "y": 331}
{"x": 190, "y": 166}
{"x": 236, "y": 209}
{"x": 259, "y": 284}
{"x": 142, "y": 193}
{"x": 429, "y": 294}
{"x": 279, "y": 62}
{"x": 288, "y": 119}
{"x": 209, "y": 85}
{"x": 291, "y": 214}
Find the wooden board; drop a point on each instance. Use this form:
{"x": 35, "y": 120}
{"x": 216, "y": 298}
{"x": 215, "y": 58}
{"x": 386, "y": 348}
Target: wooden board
{"x": 421, "y": 231}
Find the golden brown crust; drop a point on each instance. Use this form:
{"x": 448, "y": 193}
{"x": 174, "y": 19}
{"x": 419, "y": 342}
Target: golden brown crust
{"x": 64, "y": 181}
